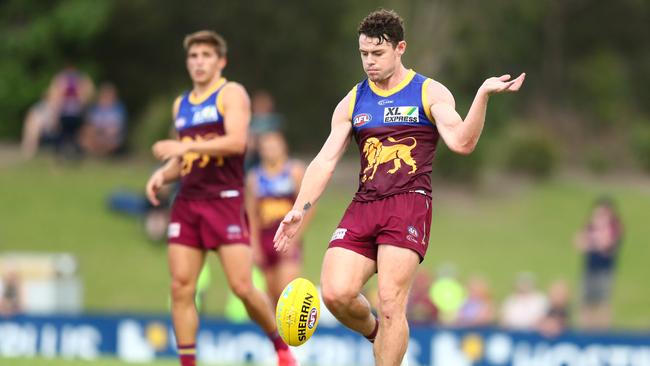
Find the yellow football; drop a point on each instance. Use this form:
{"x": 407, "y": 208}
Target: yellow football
{"x": 297, "y": 312}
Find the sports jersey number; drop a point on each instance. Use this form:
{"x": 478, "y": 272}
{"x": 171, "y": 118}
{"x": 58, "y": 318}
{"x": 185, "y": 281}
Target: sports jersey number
{"x": 203, "y": 159}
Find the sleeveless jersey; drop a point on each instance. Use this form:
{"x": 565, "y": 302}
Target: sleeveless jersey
{"x": 204, "y": 176}
{"x": 396, "y": 135}
{"x": 275, "y": 195}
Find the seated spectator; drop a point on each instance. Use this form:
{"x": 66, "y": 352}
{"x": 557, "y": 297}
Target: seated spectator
{"x": 76, "y": 90}
{"x": 104, "y": 130}
{"x": 478, "y": 308}
{"x": 525, "y": 308}
{"x": 556, "y": 319}
{"x": 41, "y": 126}
{"x": 420, "y": 308}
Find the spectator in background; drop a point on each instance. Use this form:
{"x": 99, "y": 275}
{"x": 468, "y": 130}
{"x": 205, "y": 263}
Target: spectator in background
{"x": 76, "y": 90}
{"x": 420, "y": 308}
{"x": 41, "y": 126}
{"x": 599, "y": 241}
{"x": 478, "y": 308}
{"x": 264, "y": 119}
{"x": 103, "y": 132}
{"x": 447, "y": 293}
{"x": 10, "y": 294}
{"x": 526, "y": 307}
{"x": 556, "y": 319}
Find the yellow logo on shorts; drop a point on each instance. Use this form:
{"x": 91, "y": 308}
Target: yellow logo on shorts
{"x": 376, "y": 153}
{"x": 203, "y": 159}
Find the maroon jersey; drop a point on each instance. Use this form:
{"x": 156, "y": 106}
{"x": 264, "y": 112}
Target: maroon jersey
{"x": 396, "y": 135}
{"x": 204, "y": 176}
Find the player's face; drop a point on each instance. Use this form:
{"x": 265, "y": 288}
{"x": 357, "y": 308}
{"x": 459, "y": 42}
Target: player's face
{"x": 379, "y": 59}
{"x": 203, "y": 63}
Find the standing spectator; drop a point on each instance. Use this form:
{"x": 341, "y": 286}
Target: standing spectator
{"x": 557, "y": 316}
{"x": 104, "y": 130}
{"x": 76, "y": 90}
{"x": 599, "y": 241}
{"x": 41, "y": 126}
{"x": 478, "y": 308}
{"x": 525, "y": 308}
{"x": 264, "y": 119}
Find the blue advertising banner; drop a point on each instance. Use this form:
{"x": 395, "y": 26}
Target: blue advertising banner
{"x": 140, "y": 338}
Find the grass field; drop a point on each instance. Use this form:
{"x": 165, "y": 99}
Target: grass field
{"x": 495, "y": 231}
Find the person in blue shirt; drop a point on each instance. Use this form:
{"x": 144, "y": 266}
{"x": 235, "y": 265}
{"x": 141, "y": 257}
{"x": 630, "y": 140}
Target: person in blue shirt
{"x": 104, "y": 130}
{"x": 599, "y": 241}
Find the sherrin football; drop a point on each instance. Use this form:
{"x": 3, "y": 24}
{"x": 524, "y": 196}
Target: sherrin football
{"x": 297, "y": 312}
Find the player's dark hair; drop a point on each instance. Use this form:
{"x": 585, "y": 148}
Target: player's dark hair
{"x": 385, "y": 25}
{"x": 209, "y": 37}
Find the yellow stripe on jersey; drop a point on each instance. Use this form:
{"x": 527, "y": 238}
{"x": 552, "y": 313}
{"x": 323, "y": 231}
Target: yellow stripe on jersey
{"x": 187, "y": 351}
{"x": 353, "y": 101}
{"x": 220, "y": 103}
{"x": 194, "y": 99}
{"x": 177, "y": 105}
{"x": 425, "y": 101}
{"x": 395, "y": 89}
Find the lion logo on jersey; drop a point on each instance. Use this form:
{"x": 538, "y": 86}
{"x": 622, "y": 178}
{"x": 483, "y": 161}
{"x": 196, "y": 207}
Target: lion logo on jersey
{"x": 376, "y": 153}
{"x": 203, "y": 159}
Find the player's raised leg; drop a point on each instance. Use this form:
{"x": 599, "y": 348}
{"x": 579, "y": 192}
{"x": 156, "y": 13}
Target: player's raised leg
{"x": 396, "y": 268}
{"x": 237, "y": 262}
{"x": 343, "y": 276}
{"x": 185, "y": 264}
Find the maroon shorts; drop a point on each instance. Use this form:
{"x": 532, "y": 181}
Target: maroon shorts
{"x": 207, "y": 224}
{"x": 402, "y": 220}
{"x": 270, "y": 256}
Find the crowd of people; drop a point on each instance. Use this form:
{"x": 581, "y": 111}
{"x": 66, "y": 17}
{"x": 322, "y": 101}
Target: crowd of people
{"x": 75, "y": 118}
{"x": 443, "y": 299}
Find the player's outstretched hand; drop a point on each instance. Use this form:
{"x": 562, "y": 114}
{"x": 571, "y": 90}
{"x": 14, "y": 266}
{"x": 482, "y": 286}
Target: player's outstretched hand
{"x": 154, "y": 184}
{"x": 287, "y": 230}
{"x": 503, "y": 84}
{"x": 167, "y": 149}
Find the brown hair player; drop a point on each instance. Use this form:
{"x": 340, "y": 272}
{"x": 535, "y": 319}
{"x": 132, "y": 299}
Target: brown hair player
{"x": 209, "y": 212}
{"x": 396, "y": 117}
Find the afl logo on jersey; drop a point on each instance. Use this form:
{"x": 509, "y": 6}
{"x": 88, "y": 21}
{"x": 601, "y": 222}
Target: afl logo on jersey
{"x": 205, "y": 114}
{"x": 361, "y": 119}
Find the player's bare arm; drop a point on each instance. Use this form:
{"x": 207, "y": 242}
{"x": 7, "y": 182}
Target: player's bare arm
{"x": 236, "y": 114}
{"x": 168, "y": 173}
{"x": 253, "y": 218}
{"x": 317, "y": 174}
{"x": 298, "y": 173}
{"x": 461, "y": 136}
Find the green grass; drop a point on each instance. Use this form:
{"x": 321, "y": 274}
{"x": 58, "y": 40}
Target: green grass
{"x": 494, "y": 231}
